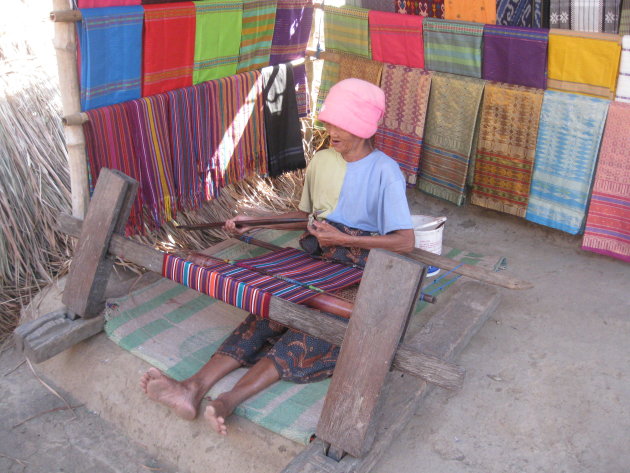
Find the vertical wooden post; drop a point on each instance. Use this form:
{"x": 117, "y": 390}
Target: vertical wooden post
{"x": 66, "y": 49}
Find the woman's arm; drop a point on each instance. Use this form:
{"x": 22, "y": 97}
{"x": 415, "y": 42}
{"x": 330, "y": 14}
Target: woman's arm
{"x": 398, "y": 241}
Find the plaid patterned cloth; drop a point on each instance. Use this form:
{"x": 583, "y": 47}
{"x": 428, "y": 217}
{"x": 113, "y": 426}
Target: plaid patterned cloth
{"x": 397, "y": 39}
{"x": 346, "y": 30}
{"x": 259, "y": 18}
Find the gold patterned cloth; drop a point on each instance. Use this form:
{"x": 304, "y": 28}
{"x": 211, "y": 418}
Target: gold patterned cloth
{"x": 351, "y": 66}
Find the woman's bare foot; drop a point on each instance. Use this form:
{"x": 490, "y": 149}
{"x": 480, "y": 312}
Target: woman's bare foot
{"x": 173, "y": 394}
{"x": 215, "y": 414}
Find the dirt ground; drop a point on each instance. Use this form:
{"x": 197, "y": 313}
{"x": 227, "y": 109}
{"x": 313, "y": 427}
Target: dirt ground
{"x": 547, "y": 386}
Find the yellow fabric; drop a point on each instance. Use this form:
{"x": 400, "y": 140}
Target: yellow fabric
{"x": 322, "y": 185}
{"x": 479, "y": 11}
{"x": 583, "y": 62}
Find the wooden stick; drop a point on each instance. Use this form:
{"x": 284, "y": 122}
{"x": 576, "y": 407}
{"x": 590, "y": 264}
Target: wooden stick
{"x": 65, "y": 16}
{"x": 75, "y": 119}
{"x": 252, "y": 223}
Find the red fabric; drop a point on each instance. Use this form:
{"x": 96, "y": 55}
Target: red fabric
{"x": 396, "y": 39}
{"x": 106, "y": 3}
{"x": 169, "y": 47}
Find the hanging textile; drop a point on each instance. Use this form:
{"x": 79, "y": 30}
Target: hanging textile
{"x": 329, "y": 77}
{"x": 169, "y": 47}
{"x": 282, "y": 124}
{"x": 290, "y": 37}
{"x": 608, "y": 222}
{"x": 478, "y": 11}
{"x": 515, "y": 55}
{"x": 453, "y": 46}
{"x": 240, "y": 285}
{"x": 237, "y": 137}
{"x": 560, "y": 14}
{"x": 569, "y": 135}
{"x": 110, "y": 40}
{"x": 507, "y": 144}
{"x": 585, "y": 63}
{"x": 624, "y": 18}
{"x": 515, "y": 13}
{"x": 109, "y": 144}
{"x": 623, "y": 82}
{"x": 400, "y": 133}
{"x": 448, "y": 136}
{"x": 190, "y": 131}
{"x": 360, "y": 68}
{"x": 541, "y": 13}
{"x": 106, "y": 3}
{"x": 259, "y": 18}
{"x": 148, "y": 118}
{"x": 586, "y": 15}
{"x": 217, "y": 38}
{"x": 397, "y": 39}
{"x": 346, "y": 30}
{"x": 430, "y": 8}
{"x": 377, "y": 5}
{"x": 155, "y": 2}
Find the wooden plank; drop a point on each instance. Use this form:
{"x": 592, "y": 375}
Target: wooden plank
{"x": 445, "y": 335}
{"x": 387, "y": 294}
{"x": 91, "y": 265}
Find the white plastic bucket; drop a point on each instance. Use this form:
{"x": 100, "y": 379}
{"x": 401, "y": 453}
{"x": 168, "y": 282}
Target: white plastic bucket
{"x": 428, "y": 232}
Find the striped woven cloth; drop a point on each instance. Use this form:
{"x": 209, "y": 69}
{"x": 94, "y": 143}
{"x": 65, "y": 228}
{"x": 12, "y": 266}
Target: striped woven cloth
{"x": 401, "y": 130}
{"x": 449, "y": 135}
{"x": 430, "y": 8}
{"x": 329, "y": 77}
{"x": 397, "y": 39}
{"x": 624, "y": 18}
{"x": 453, "y": 46}
{"x": 105, "y": 3}
{"x": 237, "y": 135}
{"x": 346, "y": 30}
{"x": 622, "y": 93}
{"x": 515, "y": 13}
{"x": 506, "y": 147}
{"x": 169, "y": 47}
{"x": 478, "y": 11}
{"x": 109, "y": 144}
{"x": 515, "y": 55}
{"x": 259, "y": 18}
{"x": 585, "y": 15}
{"x": 584, "y": 63}
{"x": 217, "y": 38}
{"x": 298, "y": 278}
{"x": 148, "y": 118}
{"x": 569, "y": 135}
{"x": 113, "y": 37}
{"x": 608, "y": 222}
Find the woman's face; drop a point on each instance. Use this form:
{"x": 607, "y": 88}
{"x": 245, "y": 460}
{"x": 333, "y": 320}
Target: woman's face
{"x": 343, "y": 141}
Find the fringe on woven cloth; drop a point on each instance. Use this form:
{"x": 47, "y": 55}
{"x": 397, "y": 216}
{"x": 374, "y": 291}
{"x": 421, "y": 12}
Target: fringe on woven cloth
{"x": 494, "y": 204}
{"x": 458, "y": 198}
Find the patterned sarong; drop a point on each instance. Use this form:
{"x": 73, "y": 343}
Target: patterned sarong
{"x": 397, "y": 39}
{"x": 515, "y": 13}
{"x": 623, "y": 82}
{"x": 217, "y": 38}
{"x": 112, "y": 37}
{"x": 448, "y": 137}
{"x": 105, "y": 3}
{"x": 584, "y": 63}
{"x": 401, "y": 131}
{"x": 169, "y": 47}
{"x": 346, "y": 30}
{"x": 148, "y": 118}
{"x": 248, "y": 289}
{"x": 569, "y": 135}
{"x": 506, "y": 147}
{"x": 608, "y": 222}
{"x": 515, "y": 55}
{"x": 360, "y": 68}
{"x": 282, "y": 124}
{"x": 479, "y": 11}
{"x": 259, "y": 18}
{"x": 430, "y": 8}
{"x": 585, "y": 15}
{"x": 290, "y": 37}
{"x": 453, "y": 46}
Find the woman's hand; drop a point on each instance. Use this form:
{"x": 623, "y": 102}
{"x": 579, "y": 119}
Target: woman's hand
{"x": 327, "y": 235}
{"x": 236, "y": 225}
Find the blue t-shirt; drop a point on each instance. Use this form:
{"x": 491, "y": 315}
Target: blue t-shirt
{"x": 373, "y": 196}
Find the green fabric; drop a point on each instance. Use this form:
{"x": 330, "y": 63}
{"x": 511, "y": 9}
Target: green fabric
{"x": 217, "y": 39}
{"x": 346, "y": 30}
{"x": 259, "y": 19}
{"x": 330, "y": 76}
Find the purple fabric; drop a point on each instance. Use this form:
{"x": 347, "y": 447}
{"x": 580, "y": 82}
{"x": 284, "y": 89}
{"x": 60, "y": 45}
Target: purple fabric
{"x": 515, "y": 55}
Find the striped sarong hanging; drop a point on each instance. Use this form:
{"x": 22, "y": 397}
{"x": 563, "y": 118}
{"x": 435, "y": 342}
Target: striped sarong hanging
{"x": 329, "y": 77}
{"x": 217, "y": 38}
{"x": 112, "y": 37}
{"x": 449, "y": 134}
{"x": 507, "y": 144}
{"x": 478, "y": 11}
{"x": 622, "y": 93}
{"x": 453, "y": 46}
{"x": 240, "y": 286}
{"x": 624, "y": 19}
{"x": 259, "y": 18}
{"x": 397, "y": 39}
{"x": 595, "y": 16}
{"x": 109, "y": 144}
{"x": 346, "y": 30}
{"x": 515, "y": 13}
{"x": 608, "y": 222}
{"x": 515, "y": 55}
{"x": 106, "y": 3}
{"x": 569, "y": 135}
{"x": 169, "y": 47}
{"x": 401, "y": 130}
{"x": 148, "y": 118}
{"x": 291, "y": 32}
{"x": 430, "y": 8}
{"x": 584, "y": 63}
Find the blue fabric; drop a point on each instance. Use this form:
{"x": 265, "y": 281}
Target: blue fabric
{"x": 110, "y": 41}
{"x": 373, "y": 196}
{"x": 569, "y": 135}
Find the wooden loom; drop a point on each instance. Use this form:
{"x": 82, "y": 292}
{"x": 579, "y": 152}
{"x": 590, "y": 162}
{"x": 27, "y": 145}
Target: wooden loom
{"x": 369, "y": 402}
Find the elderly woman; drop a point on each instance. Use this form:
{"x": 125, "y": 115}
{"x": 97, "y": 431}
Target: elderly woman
{"x": 360, "y": 192}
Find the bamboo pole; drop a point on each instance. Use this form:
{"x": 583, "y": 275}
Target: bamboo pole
{"x": 66, "y": 49}
{"x": 66, "y": 15}
{"x": 75, "y": 119}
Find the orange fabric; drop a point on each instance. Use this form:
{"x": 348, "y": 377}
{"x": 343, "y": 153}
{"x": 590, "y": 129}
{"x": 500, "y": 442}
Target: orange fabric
{"x": 479, "y": 11}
